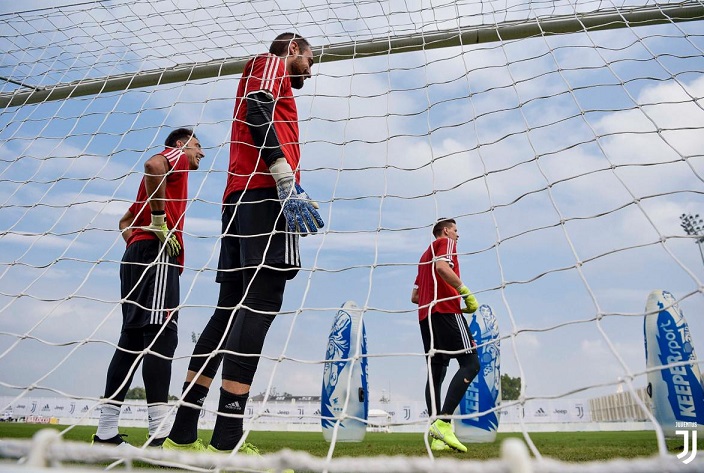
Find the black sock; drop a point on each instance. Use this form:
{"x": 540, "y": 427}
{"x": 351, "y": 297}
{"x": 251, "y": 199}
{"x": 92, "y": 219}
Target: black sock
{"x": 228, "y": 430}
{"x": 157, "y": 442}
{"x": 185, "y": 428}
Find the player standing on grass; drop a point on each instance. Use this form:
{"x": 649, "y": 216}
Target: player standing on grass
{"x": 264, "y": 212}
{"x": 149, "y": 273}
{"x": 438, "y": 290}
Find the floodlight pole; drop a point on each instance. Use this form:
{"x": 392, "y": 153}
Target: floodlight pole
{"x": 693, "y": 225}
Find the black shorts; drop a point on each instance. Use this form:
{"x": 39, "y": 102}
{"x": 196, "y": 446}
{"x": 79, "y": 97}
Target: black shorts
{"x": 149, "y": 285}
{"x": 450, "y": 333}
{"x": 254, "y": 233}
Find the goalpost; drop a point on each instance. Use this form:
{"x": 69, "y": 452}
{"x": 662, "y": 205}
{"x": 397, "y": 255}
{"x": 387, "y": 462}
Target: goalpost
{"x": 564, "y": 137}
{"x": 461, "y": 36}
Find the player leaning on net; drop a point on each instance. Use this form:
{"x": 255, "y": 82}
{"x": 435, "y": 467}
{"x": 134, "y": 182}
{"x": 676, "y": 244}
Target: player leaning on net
{"x": 439, "y": 291}
{"x": 264, "y": 213}
{"x": 149, "y": 277}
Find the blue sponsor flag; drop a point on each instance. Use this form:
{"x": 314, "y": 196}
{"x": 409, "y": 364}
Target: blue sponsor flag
{"x": 676, "y": 389}
{"x": 484, "y": 392}
{"x": 345, "y": 391}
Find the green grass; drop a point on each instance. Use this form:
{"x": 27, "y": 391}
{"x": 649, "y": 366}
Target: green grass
{"x": 564, "y": 446}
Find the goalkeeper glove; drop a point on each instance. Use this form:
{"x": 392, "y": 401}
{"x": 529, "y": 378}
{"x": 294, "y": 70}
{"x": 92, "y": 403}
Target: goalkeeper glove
{"x": 159, "y": 228}
{"x": 469, "y": 300}
{"x": 299, "y": 210}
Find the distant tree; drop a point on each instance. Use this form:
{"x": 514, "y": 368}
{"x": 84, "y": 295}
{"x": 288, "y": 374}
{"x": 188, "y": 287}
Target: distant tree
{"x": 136, "y": 393}
{"x": 194, "y": 337}
{"x": 510, "y": 388}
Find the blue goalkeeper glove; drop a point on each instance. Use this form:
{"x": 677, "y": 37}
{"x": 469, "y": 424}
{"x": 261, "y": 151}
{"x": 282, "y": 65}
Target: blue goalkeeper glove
{"x": 159, "y": 228}
{"x": 469, "y": 300}
{"x": 299, "y": 210}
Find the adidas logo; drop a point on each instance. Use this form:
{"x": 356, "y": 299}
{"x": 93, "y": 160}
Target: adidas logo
{"x": 540, "y": 412}
{"x": 235, "y": 406}
{"x": 201, "y": 401}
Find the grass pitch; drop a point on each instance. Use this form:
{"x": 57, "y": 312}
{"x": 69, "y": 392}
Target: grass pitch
{"x": 563, "y": 446}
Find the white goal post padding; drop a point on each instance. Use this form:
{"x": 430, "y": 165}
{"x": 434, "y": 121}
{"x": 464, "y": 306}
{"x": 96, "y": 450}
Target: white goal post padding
{"x": 566, "y": 138}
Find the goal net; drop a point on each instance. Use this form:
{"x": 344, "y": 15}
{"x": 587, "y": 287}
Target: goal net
{"x": 565, "y": 138}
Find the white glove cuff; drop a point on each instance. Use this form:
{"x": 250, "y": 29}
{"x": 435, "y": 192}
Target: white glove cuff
{"x": 281, "y": 170}
{"x": 158, "y": 220}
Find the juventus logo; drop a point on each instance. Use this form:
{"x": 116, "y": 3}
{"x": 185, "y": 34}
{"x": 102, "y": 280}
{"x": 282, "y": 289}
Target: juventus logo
{"x": 685, "y": 448}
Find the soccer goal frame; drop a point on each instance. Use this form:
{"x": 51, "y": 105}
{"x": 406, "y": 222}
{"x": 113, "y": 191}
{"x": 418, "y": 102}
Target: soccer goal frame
{"x": 510, "y": 30}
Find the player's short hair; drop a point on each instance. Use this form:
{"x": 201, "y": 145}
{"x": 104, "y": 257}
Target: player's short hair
{"x": 279, "y": 46}
{"x": 179, "y": 134}
{"x": 441, "y": 224}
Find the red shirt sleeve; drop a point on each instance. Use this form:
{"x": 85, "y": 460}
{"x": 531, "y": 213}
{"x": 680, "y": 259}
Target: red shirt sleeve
{"x": 267, "y": 75}
{"x": 441, "y": 249}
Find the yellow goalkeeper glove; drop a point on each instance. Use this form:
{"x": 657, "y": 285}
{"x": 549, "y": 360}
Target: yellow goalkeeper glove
{"x": 469, "y": 300}
{"x": 159, "y": 228}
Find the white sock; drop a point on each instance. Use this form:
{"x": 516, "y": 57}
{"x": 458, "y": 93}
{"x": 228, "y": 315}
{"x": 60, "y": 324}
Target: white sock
{"x": 159, "y": 425}
{"x": 109, "y": 418}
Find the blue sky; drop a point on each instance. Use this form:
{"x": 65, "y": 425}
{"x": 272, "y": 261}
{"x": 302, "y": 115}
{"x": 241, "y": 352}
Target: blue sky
{"x": 566, "y": 161}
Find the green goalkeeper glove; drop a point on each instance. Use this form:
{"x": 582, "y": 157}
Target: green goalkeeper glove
{"x": 469, "y": 300}
{"x": 159, "y": 228}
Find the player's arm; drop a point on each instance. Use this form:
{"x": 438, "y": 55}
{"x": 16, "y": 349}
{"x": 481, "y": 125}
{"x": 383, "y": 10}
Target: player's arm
{"x": 260, "y": 121}
{"x": 414, "y": 295}
{"x": 155, "y": 170}
{"x": 125, "y": 225}
{"x": 445, "y": 271}
{"x": 300, "y": 212}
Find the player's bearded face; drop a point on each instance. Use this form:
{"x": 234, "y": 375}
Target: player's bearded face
{"x": 300, "y": 69}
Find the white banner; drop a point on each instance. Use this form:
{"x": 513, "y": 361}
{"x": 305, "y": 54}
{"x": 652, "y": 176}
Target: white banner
{"x": 555, "y": 411}
{"x": 286, "y": 412}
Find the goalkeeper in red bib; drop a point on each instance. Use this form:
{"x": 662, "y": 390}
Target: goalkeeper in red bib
{"x": 149, "y": 274}
{"x": 264, "y": 213}
{"x": 439, "y": 292}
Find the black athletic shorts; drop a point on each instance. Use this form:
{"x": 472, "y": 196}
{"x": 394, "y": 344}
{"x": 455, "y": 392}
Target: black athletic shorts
{"x": 254, "y": 233}
{"x": 450, "y": 333}
{"x": 149, "y": 285}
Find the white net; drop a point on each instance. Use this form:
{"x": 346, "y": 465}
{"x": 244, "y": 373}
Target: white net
{"x": 565, "y": 138}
